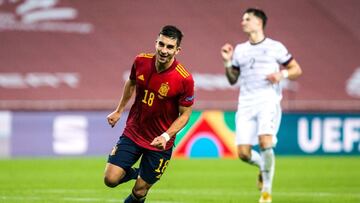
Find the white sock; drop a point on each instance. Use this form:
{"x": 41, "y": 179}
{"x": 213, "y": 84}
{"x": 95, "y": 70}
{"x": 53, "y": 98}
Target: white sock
{"x": 256, "y": 159}
{"x": 268, "y": 171}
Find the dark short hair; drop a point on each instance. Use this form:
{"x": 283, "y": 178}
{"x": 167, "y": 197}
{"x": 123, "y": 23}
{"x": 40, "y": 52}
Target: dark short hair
{"x": 258, "y": 13}
{"x": 172, "y": 32}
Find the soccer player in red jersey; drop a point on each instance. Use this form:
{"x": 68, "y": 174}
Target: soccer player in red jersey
{"x": 164, "y": 96}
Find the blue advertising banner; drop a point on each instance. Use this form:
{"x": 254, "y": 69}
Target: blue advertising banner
{"x": 63, "y": 133}
{"x": 315, "y": 133}
{"x": 209, "y": 134}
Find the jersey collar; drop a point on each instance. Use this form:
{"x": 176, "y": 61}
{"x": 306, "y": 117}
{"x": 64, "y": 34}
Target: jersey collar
{"x": 172, "y": 66}
{"x": 254, "y": 44}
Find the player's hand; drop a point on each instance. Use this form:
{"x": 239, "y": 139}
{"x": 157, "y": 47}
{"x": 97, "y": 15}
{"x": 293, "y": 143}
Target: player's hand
{"x": 274, "y": 77}
{"x": 113, "y": 118}
{"x": 159, "y": 142}
{"x": 227, "y": 52}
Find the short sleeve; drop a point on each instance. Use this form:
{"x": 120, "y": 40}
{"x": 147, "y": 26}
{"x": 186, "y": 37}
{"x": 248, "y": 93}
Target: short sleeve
{"x": 187, "y": 97}
{"x": 234, "y": 61}
{"x": 282, "y": 54}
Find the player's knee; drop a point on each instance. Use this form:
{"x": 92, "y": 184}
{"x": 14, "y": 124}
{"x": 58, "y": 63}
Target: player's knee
{"x": 111, "y": 181}
{"x": 265, "y": 141}
{"x": 244, "y": 156}
{"x": 140, "y": 191}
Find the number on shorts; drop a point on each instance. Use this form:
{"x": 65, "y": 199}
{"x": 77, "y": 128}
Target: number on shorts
{"x": 162, "y": 166}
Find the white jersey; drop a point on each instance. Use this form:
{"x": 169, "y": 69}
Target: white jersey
{"x": 255, "y": 62}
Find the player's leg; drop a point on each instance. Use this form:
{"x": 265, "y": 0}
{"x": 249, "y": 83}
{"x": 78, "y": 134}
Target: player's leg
{"x": 268, "y": 157}
{"x": 113, "y": 175}
{"x": 267, "y": 173}
{"x": 123, "y": 156}
{"x": 139, "y": 191}
{"x": 152, "y": 167}
{"x": 246, "y": 136}
{"x": 269, "y": 121}
{"x": 248, "y": 155}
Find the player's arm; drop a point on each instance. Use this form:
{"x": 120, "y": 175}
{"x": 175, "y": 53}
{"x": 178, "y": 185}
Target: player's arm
{"x": 181, "y": 121}
{"x": 175, "y": 127}
{"x": 232, "y": 73}
{"x": 128, "y": 91}
{"x": 292, "y": 71}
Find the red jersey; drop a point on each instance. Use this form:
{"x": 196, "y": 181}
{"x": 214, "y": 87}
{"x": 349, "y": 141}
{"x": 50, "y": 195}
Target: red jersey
{"x": 157, "y": 101}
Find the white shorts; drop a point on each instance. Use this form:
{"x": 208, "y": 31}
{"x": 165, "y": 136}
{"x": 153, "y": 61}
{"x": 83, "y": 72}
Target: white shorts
{"x": 252, "y": 121}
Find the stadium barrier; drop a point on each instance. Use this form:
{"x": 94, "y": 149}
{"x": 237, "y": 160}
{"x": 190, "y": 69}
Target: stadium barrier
{"x": 209, "y": 134}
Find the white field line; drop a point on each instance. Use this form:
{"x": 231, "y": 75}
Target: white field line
{"x": 221, "y": 192}
{"x": 203, "y": 191}
{"x": 198, "y": 192}
{"x": 71, "y": 199}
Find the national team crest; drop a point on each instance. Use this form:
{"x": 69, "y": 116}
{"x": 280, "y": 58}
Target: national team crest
{"x": 164, "y": 89}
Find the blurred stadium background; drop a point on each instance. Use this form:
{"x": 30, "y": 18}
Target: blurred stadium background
{"x": 63, "y": 64}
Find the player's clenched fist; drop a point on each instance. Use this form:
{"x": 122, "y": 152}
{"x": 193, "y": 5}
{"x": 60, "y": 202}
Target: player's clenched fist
{"x": 227, "y": 51}
{"x": 159, "y": 142}
{"x": 113, "y": 118}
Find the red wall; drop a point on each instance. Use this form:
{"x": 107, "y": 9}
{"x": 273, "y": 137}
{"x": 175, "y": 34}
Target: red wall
{"x": 324, "y": 37}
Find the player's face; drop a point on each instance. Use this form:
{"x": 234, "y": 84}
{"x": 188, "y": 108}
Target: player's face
{"x": 250, "y": 23}
{"x": 166, "y": 49}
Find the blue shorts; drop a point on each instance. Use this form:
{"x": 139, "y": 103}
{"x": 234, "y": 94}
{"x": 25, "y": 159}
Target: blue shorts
{"x": 152, "y": 165}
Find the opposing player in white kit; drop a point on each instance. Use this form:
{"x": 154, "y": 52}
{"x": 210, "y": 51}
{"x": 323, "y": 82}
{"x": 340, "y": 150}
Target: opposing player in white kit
{"x": 256, "y": 63}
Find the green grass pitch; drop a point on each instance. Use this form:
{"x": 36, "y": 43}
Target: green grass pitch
{"x": 297, "y": 180}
